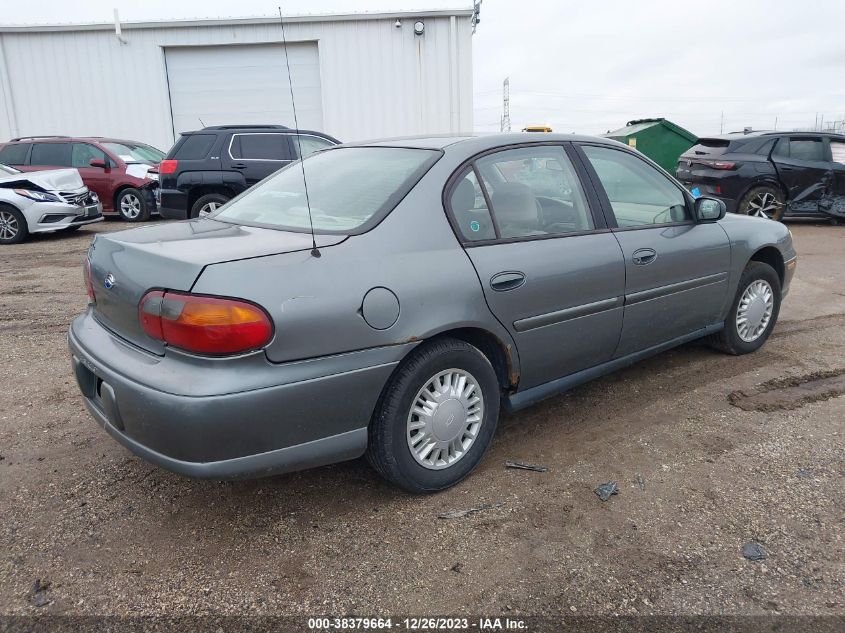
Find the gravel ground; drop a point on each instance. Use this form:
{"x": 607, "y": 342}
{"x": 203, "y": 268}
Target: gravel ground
{"x": 703, "y": 461}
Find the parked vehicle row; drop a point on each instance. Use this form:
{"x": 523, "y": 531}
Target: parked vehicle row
{"x": 775, "y": 175}
{"x": 118, "y": 171}
{"x": 417, "y": 286}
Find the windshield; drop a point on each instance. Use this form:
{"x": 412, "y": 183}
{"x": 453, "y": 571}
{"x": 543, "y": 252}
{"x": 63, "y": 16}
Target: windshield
{"x": 6, "y": 170}
{"x": 135, "y": 153}
{"x": 349, "y": 190}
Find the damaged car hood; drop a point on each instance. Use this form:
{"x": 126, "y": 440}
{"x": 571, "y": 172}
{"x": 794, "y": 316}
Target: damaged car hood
{"x": 48, "y": 180}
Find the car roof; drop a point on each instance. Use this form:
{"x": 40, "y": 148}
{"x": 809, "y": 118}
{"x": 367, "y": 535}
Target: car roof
{"x": 735, "y": 136}
{"x": 478, "y": 142}
{"x": 73, "y": 139}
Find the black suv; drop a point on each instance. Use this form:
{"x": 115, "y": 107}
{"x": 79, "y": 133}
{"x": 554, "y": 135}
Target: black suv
{"x": 770, "y": 174}
{"x": 206, "y": 168}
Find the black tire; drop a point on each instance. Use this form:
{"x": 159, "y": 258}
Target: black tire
{"x": 388, "y": 451}
{"x": 750, "y": 202}
{"x": 209, "y": 198}
{"x": 132, "y": 205}
{"x": 12, "y": 220}
{"x": 729, "y": 340}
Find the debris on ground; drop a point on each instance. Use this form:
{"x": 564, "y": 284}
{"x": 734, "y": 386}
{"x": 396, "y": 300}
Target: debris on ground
{"x": 521, "y": 466}
{"x": 805, "y": 473}
{"x": 457, "y": 514}
{"x": 38, "y": 594}
{"x": 458, "y": 568}
{"x": 754, "y": 551}
{"x": 606, "y": 491}
{"x": 640, "y": 481}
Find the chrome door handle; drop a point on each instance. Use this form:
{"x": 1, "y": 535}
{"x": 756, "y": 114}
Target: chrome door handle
{"x": 508, "y": 280}
{"x": 643, "y": 256}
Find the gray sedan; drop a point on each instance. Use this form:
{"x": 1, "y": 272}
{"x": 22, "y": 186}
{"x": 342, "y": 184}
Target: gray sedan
{"x": 389, "y": 304}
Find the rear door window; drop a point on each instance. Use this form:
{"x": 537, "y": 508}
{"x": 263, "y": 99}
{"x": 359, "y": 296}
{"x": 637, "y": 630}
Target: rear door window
{"x": 534, "y": 191}
{"x": 195, "y": 147}
{"x": 14, "y": 154}
{"x": 809, "y": 149}
{"x": 260, "y": 147}
{"x": 52, "y": 154}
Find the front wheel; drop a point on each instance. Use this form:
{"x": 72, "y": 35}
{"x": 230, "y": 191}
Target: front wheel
{"x": 753, "y": 313}
{"x": 13, "y": 227}
{"x": 763, "y": 201}
{"x": 436, "y": 417}
{"x": 132, "y": 206}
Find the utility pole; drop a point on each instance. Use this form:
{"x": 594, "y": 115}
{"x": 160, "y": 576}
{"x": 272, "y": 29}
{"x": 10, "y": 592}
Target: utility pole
{"x": 506, "y": 106}
{"x": 722, "y": 123}
{"x": 776, "y": 124}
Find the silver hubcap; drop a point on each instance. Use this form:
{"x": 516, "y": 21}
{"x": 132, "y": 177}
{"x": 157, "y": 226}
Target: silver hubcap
{"x": 763, "y": 205}
{"x": 755, "y": 310}
{"x": 8, "y": 225}
{"x": 445, "y": 418}
{"x": 130, "y": 206}
{"x": 208, "y": 207}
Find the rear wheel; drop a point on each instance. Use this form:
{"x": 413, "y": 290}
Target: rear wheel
{"x": 436, "y": 417}
{"x": 753, "y": 313}
{"x": 763, "y": 201}
{"x": 207, "y": 204}
{"x": 132, "y": 206}
{"x": 13, "y": 228}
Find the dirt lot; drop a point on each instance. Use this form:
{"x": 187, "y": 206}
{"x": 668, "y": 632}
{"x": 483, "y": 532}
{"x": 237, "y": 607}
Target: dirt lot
{"x": 709, "y": 452}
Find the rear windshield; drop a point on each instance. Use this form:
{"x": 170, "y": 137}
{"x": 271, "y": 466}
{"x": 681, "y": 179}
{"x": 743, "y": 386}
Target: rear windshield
{"x": 195, "y": 146}
{"x": 349, "y": 189}
{"x": 708, "y": 147}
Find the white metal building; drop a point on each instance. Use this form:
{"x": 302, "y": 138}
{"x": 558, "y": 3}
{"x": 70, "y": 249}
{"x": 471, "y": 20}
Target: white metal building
{"x": 354, "y": 76}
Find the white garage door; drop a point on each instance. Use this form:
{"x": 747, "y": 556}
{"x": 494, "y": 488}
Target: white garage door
{"x": 243, "y": 84}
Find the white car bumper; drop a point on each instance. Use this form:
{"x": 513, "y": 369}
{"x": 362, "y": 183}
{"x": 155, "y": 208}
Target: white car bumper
{"x": 46, "y": 217}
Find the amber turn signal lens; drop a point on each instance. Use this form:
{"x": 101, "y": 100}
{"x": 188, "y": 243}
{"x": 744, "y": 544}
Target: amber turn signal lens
{"x": 206, "y": 325}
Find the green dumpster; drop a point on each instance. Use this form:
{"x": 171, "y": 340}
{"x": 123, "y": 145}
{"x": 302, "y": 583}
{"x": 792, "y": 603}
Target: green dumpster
{"x": 661, "y": 140}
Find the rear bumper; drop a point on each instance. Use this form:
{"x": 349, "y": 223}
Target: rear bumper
{"x": 173, "y": 204}
{"x": 312, "y": 414}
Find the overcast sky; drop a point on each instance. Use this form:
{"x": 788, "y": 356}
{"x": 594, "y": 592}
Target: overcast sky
{"x": 591, "y": 66}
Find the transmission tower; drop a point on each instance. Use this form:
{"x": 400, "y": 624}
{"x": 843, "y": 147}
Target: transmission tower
{"x": 506, "y": 109}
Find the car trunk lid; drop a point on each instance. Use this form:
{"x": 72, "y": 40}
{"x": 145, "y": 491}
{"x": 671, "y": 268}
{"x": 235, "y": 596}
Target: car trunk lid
{"x": 128, "y": 264}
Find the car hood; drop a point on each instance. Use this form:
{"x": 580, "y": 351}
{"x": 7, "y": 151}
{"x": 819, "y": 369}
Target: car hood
{"x": 48, "y": 180}
{"x": 125, "y": 265}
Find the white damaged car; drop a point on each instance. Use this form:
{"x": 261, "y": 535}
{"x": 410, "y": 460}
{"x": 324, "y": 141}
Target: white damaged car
{"x": 44, "y": 202}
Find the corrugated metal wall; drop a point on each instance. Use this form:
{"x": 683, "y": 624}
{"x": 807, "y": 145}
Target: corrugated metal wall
{"x": 377, "y": 80}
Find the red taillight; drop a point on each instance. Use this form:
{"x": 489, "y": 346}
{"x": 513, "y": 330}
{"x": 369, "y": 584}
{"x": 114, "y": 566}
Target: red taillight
{"x": 89, "y": 285}
{"x": 168, "y": 166}
{"x": 206, "y": 325}
{"x": 722, "y": 165}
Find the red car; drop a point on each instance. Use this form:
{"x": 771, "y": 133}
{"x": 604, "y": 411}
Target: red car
{"x": 117, "y": 171}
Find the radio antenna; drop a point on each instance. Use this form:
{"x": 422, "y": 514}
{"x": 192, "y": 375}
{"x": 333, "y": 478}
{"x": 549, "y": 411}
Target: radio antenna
{"x": 315, "y": 252}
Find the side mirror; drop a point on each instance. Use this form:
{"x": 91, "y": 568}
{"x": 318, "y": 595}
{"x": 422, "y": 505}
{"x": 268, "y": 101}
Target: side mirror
{"x": 97, "y": 162}
{"x": 709, "y": 209}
